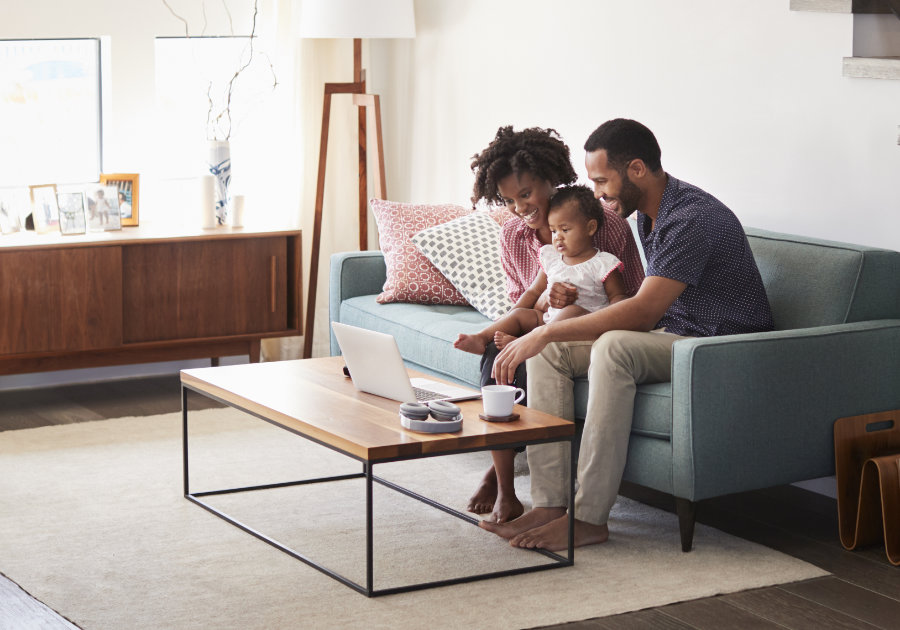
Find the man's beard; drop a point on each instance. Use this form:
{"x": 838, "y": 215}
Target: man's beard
{"x": 629, "y": 197}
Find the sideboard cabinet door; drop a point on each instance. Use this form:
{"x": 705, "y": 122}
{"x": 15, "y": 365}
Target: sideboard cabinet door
{"x": 204, "y": 288}
{"x": 60, "y": 300}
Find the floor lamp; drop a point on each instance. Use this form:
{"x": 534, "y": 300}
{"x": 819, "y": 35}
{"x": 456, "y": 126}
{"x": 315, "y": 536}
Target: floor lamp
{"x": 354, "y": 19}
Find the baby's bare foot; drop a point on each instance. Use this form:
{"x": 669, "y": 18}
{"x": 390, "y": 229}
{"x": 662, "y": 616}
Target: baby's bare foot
{"x": 470, "y": 343}
{"x": 501, "y": 339}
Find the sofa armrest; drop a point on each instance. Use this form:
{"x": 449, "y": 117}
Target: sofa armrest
{"x": 756, "y": 410}
{"x": 352, "y": 274}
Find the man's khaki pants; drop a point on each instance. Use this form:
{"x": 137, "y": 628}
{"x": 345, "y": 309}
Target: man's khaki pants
{"x": 614, "y": 364}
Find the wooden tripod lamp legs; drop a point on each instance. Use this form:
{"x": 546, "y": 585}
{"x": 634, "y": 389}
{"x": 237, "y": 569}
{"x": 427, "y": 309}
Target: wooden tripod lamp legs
{"x": 372, "y": 106}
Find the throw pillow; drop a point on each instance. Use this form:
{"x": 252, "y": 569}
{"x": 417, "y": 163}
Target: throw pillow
{"x": 467, "y": 252}
{"x": 410, "y": 275}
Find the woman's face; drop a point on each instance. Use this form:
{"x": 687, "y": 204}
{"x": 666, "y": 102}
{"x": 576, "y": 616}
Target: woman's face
{"x": 527, "y": 197}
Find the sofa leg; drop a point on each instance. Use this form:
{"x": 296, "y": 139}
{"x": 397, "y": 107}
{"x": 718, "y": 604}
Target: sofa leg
{"x": 687, "y": 515}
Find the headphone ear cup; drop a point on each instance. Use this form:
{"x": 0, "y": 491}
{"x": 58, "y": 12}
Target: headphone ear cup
{"x": 415, "y": 411}
{"x": 443, "y": 410}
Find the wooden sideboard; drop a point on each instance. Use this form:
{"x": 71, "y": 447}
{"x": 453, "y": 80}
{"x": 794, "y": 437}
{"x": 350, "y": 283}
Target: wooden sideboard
{"x": 139, "y": 295}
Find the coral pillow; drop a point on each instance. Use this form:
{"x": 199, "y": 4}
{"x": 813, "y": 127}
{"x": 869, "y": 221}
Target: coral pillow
{"x": 410, "y": 275}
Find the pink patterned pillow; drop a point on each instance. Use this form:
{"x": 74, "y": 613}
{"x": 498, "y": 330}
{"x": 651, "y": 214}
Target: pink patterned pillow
{"x": 410, "y": 276}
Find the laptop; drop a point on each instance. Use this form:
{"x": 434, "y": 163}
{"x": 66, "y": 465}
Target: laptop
{"x": 376, "y": 367}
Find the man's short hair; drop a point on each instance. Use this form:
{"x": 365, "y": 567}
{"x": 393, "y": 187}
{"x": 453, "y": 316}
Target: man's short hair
{"x": 625, "y": 140}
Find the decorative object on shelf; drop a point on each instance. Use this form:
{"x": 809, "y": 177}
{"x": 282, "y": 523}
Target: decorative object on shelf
{"x": 128, "y": 189}
{"x": 102, "y": 208}
{"x": 71, "y": 213}
{"x": 237, "y": 211}
{"x": 208, "y": 202}
{"x": 219, "y": 165}
{"x": 220, "y": 95}
{"x": 44, "y": 207}
{"x": 350, "y": 19}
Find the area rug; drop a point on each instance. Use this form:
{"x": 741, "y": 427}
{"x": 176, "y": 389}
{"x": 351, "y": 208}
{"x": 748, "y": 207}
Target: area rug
{"x": 93, "y": 524}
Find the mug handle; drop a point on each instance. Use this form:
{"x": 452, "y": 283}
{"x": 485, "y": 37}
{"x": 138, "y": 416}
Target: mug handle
{"x": 520, "y": 394}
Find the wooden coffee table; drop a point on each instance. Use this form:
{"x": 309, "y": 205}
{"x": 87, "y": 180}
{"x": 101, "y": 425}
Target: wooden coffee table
{"x": 313, "y": 399}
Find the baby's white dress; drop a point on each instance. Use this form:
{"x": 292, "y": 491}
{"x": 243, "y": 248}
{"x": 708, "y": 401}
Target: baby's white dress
{"x": 588, "y": 276}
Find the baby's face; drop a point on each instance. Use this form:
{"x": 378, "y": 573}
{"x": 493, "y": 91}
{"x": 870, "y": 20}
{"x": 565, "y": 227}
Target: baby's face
{"x": 572, "y": 231}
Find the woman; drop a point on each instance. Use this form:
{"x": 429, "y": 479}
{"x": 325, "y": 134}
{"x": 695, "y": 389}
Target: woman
{"x": 522, "y": 169}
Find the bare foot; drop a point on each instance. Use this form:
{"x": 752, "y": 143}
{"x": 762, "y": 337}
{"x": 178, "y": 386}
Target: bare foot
{"x": 470, "y": 343}
{"x": 529, "y": 520}
{"x": 554, "y": 536}
{"x": 485, "y": 495}
{"x": 501, "y": 339}
{"x": 506, "y": 508}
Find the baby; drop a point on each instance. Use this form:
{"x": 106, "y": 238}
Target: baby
{"x": 574, "y": 216}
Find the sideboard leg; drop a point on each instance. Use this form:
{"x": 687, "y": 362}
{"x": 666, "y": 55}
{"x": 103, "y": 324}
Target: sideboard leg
{"x": 255, "y": 346}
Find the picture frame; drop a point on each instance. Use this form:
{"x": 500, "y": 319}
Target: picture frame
{"x": 72, "y": 218}
{"x": 102, "y": 208}
{"x": 15, "y": 204}
{"x": 44, "y": 207}
{"x": 128, "y": 189}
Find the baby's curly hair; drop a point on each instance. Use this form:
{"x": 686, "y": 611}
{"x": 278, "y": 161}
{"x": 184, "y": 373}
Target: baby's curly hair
{"x": 536, "y": 151}
{"x": 588, "y": 205}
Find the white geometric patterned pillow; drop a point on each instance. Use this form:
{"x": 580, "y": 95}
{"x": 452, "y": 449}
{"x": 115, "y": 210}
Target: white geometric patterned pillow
{"x": 467, "y": 251}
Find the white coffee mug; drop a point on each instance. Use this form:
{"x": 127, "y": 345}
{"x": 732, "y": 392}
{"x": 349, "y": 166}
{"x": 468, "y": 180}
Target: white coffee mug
{"x": 499, "y": 399}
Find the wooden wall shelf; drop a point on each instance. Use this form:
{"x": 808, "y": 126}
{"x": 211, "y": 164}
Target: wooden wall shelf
{"x": 139, "y": 295}
{"x": 887, "y": 67}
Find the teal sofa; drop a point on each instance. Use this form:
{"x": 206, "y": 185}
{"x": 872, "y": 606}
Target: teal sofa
{"x": 742, "y": 412}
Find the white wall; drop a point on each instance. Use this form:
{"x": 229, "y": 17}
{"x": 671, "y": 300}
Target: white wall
{"x": 746, "y": 99}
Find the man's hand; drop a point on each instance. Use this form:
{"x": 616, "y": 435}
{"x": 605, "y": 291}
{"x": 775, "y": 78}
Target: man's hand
{"x": 515, "y": 353}
{"x": 562, "y": 294}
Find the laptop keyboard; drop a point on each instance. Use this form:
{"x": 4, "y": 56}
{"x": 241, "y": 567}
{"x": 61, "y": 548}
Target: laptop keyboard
{"x": 423, "y": 395}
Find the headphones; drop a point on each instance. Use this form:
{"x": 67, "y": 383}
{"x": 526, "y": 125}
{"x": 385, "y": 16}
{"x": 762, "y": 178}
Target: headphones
{"x": 440, "y": 410}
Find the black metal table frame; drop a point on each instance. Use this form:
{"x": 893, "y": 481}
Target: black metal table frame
{"x": 369, "y": 590}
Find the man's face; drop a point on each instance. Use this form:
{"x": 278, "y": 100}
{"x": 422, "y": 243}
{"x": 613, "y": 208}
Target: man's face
{"x": 615, "y": 189}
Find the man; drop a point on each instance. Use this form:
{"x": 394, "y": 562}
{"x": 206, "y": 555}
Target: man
{"x": 701, "y": 280}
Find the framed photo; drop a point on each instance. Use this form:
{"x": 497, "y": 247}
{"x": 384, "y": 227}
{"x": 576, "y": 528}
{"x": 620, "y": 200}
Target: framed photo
{"x": 127, "y": 193}
{"x": 102, "y": 208}
{"x": 44, "y": 207}
{"x": 71, "y": 213}
{"x": 15, "y": 204}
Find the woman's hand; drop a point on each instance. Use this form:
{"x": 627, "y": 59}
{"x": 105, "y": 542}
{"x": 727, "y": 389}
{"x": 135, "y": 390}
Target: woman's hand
{"x": 562, "y": 294}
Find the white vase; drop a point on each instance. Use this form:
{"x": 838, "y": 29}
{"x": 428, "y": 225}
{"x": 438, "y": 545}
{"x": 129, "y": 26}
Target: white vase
{"x": 219, "y": 163}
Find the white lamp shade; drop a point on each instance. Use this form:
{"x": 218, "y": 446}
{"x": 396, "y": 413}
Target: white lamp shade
{"x": 357, "y": 18}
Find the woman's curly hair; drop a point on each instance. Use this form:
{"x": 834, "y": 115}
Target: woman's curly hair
{"x": 536, "y": 151}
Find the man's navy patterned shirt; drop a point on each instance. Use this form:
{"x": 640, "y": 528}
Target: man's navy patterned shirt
{"x": 697, "y": 240}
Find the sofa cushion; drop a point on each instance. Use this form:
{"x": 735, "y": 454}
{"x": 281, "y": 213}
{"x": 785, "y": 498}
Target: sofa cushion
{"x": 809, "y": 282}
{"x": 410, "y": 276}
{"x": 424, "y": 333}
{"x": 467, "y": 251}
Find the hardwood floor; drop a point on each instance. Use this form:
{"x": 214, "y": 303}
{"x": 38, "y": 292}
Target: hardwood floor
{"x": 862, "y": 592}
